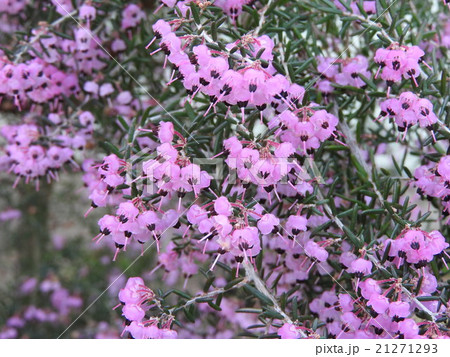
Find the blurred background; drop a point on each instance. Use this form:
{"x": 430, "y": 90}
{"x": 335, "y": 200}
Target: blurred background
{"x": 50, "y": 270}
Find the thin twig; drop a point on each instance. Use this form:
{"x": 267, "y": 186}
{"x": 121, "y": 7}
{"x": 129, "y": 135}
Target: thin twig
{"x": 371, "y": 23}
{"x": 208, "y": 295}
{"x": 354, "y": 148}
{"x": 262, "y": 18}
{"x": 261, "y": 286}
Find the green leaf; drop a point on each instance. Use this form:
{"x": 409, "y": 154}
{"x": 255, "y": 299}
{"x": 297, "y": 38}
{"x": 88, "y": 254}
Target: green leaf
{"x": 181, "y": 294}
{"x": 272, "y": 314}
{"x": 386, "y": 253}
{"x": 214, "y": 306}
{"x": 232, "y": 283}
{"x": 111, "y": 148}
{"x": 189, "y": 111}
{"x": 353, "y": 238}
{"x": 427, "y": 298}
{"x": 204, "y": 299}
{"x": 279, "y": 68}
{"x": 421, "y": 219}
{"x": 195, "y": 12}
{"x": 189, "y": 313}
{"x": 255, "y": 292}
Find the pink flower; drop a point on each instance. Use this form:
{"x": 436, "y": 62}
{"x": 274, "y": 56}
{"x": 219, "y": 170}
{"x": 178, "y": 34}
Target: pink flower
{"x": 313, "y": 250}
{"x": 399, "y": 309}
{"x": 222, "y": 206}
{"x": 288, "y": 331}
{"x": 166, "y": 132}
{"x": 131, "y": 16}
{"x": 268, "y": 224}
{"x": 369, "y": 287}
{"x": 360, "y": 267}
{"x": 379, "y": 303}
{"x": 296, "y": 224}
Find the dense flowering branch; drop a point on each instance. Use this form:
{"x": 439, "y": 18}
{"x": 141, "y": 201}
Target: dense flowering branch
{"x": 265, "y": 179}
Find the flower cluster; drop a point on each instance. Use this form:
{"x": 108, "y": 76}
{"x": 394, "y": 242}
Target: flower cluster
{"x": 240, "y": 239}
{"x": 271, "y": 167}
{"x": 416, "y": 247}
{"x": 265, "y": 166}
{"x": 346, "y": 72}
{"x": 397, "y": 61}
{"x": 408, "y": 110}
{"x": 137, "y": 299}
{"x": 227, "y": 230}
{"x": 300, "y": 215}
{"x": 131, "y": 223}
{"x": 434, "y": 181}
{"x": 347, "y": 318}
{"x": 232, "y": 8}
{"x": 254, "y": 86}
{"x": 83, "y": 53}
{"x": 201, "y": 71}
{"x": 42, "y": 79}
{"x": 305, "y": 128}
{"x": 171, "y": 170}
{"x": 382, "y": 309}
{"x": 31, "y": 154}
{"x": 37, "y": 82}
{"x": 102, "y": 180}
{"x": 123, "y": 103}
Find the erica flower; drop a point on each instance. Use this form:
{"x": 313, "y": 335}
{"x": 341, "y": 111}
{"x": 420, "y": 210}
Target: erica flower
{"x": 379, "y": 303}
{"x": 131, "y": 16}
{"x": 268, "y": 224}
{"x": 288, "y": 331}
{"x": 296, "y": 224}
{"x": 398, "y": 310}
{"x": 313, "y": 250}
{"x": 360, "y": 267}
